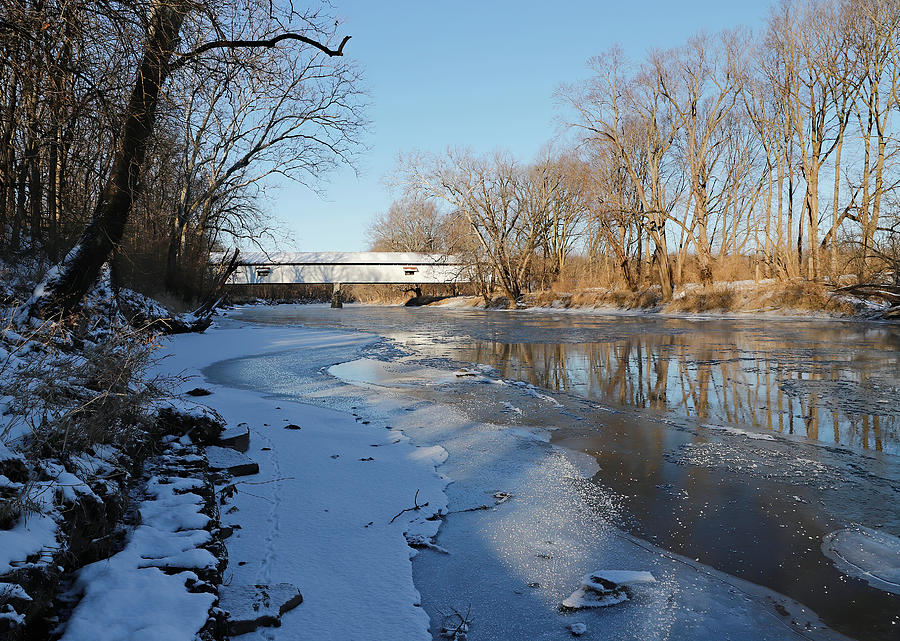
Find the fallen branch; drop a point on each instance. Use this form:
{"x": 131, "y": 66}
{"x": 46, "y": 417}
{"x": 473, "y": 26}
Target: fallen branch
{"x": 415, "y": 507}
{"x": 282, "y": 478}
{"x": 470, "y": 509}
{"x": 141, "y": 311}
{"x": 889, "y": 293}
{"x": 451, "y": 629}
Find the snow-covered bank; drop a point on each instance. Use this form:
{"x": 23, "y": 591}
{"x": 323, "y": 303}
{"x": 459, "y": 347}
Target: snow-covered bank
{"x": 521, "y": 528}
{"x": 321, "y": 512}
{"x": 91, "y": 546}
{"x": 122, "y": 596}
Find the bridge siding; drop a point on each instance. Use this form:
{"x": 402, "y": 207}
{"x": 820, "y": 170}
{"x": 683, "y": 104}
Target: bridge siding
{"x": 348, "y": 273}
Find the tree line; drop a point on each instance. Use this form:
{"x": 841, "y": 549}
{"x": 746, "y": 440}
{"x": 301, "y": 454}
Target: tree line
{"x": 145, "y": 132}
{"x": 775, "y": 150}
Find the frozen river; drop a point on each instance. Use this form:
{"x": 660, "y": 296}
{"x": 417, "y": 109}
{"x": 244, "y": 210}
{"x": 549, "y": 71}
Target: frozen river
{"x": 741, "y": 444}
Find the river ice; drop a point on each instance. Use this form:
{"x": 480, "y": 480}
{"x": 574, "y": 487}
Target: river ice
{"x": 869, "y": 554}
{"x": 508, "y": 564}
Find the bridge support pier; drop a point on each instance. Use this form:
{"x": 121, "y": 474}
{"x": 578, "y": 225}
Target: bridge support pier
{"x": 337, "y": 297}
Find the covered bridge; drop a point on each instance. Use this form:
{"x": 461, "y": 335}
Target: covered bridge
{"x": 347, "y": 268}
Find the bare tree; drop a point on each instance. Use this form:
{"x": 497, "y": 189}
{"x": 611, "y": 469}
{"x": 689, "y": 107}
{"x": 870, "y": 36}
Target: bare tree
{"x": 556, "y": 189}
{"x": 64, "y": 287}
{"x": 613, "y": 224}
{"x": 504, "y": 205}
{"x": 703, "y": 89}
{"x": 411, "y": 224}
{"x": 249, "y": 115}
{"x": 875, "y": 29}
{"x": 629, "y": 114}
{"x": 804, "y": 36}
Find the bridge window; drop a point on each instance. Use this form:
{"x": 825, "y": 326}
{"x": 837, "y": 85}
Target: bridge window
{"x": 263, "y": 271}
{"x": 410, "y": 271}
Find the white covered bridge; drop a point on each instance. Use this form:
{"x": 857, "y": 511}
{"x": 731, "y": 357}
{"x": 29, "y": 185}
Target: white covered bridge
{"x": 347, "y": 268}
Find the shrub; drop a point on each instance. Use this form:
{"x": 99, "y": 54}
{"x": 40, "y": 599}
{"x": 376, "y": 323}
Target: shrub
{"x": 68, "y": 399}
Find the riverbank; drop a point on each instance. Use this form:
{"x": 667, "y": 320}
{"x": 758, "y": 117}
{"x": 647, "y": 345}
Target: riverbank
{"x": 518, "y": 528}
{"x": 740, "y": 298}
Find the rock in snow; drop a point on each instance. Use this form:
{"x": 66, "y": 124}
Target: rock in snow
{"x": 237, "y": 438}
{"x": 605, "y": 587}
{"x": 229, "y": 460}
{"x": 253, "y": 606}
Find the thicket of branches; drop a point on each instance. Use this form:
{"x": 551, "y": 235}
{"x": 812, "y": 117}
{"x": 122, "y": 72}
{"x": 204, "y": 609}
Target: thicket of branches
{"x": 775, "y": 152}
{"x": 199, "y": 103}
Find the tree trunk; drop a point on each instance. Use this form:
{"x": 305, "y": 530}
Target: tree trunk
{"x": 34, "y": 187}
{"x": 704, "y": 255}
{"x": 833, "y": 269}
{"x": 173, "y": 256}
{"x": 65, "y": 286}
{"x": 812, "y": 205}
{"x": 52, "y": 196}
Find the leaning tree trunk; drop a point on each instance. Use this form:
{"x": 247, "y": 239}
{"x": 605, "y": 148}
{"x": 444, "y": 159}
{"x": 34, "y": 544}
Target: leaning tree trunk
{"x": 66, "y": 285}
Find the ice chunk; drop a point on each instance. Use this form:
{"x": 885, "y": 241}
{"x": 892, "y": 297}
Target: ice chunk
{"x": 253, "y": 606}
{"x": 871, "y": 555}
{"x": 606, "y": 587}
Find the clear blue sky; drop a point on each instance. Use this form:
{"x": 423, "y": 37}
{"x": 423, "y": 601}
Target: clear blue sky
{"x": 476, "y": 74}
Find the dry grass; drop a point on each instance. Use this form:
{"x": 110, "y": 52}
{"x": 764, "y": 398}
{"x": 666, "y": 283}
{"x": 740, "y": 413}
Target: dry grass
{"x": 595, "y": 297}
{"x": 810, "y": 297}
{"x": 769, "y": 296}
{"x": 764, "y": 296}
{"x": 719, "y": 299}
{"x": 377, "y": 294}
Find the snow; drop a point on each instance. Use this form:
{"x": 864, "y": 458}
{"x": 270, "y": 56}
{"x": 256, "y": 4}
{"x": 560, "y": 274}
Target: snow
{"x": 434, "y": 454}
{"x": 46, "y": 283}
{"x": 250, "y": 605}
{"x": 866, "y": 553}
{"x": 225, "y": 458}
{"x": 5, "y": 482}
{"x": 138, "y": 605}
{"x": 10, "y": 591}
{"x": 129, "y": 593}
{"x": 33, "y": 535}
{"x": 7, "y": 454}
{"x": 12, "y": 616}
{"x": 344, "y": 258}
{"x": 196, "y": 559}
{"x": 519, "y": 527}
{"x": 318, "y": 515}
{"x": 68, "y": 485}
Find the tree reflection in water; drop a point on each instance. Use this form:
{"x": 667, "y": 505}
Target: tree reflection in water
{"x": 755, "y": 382}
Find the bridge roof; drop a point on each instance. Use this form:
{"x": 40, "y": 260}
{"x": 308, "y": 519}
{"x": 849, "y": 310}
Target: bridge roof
{"x": 344, "y": 258}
